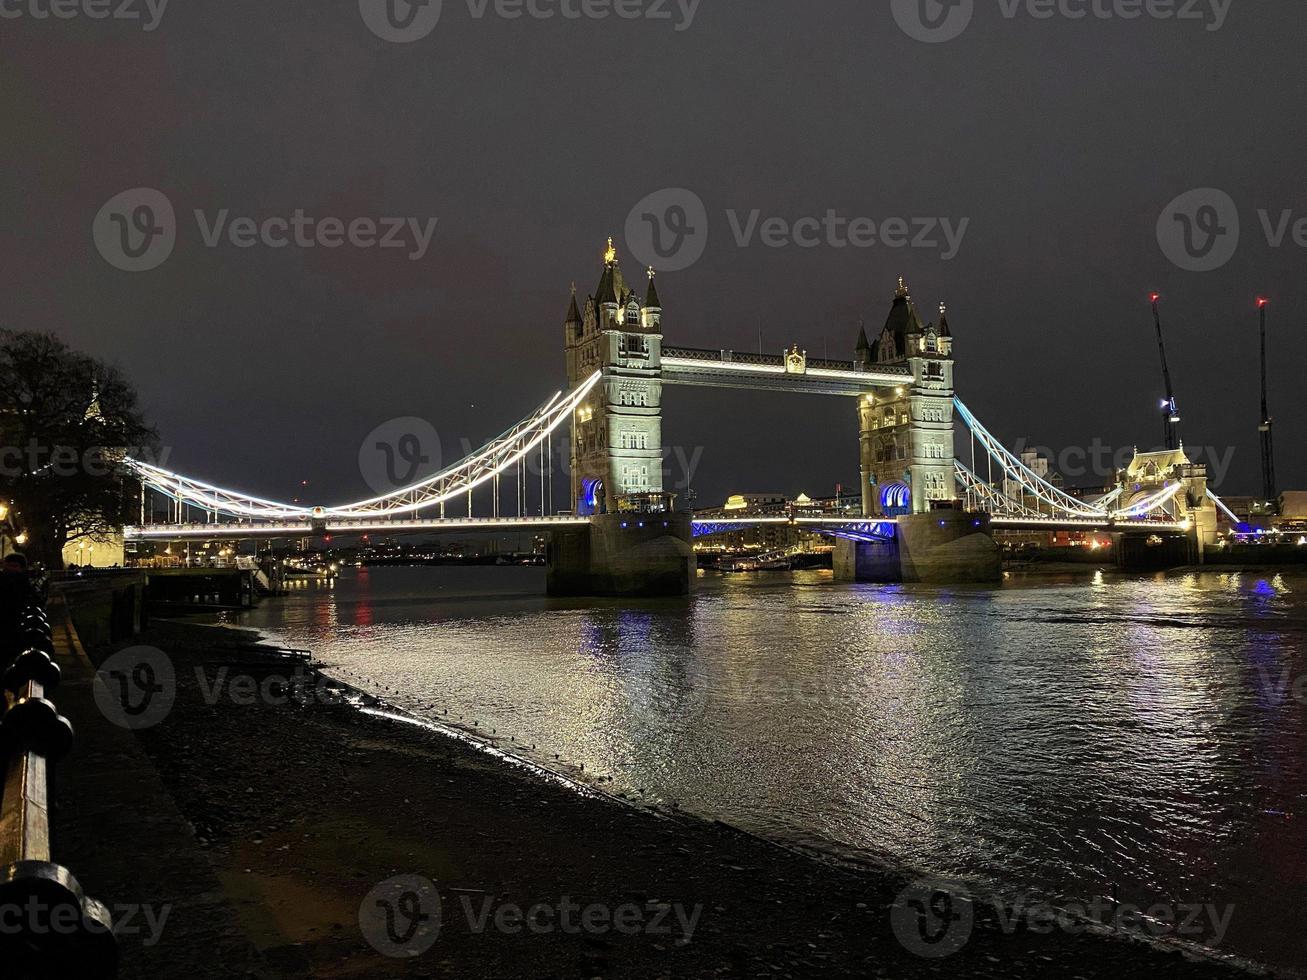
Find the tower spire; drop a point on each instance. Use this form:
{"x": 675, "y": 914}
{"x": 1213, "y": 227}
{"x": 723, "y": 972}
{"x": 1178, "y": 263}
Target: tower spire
{"x": 651, "y": 301}
{"x": 574, "y": 319}
{"x": 612, "y": 287}
{"x": 93, "y": 411}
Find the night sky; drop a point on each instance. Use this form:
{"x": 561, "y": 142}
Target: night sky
{"x": 1059, "y": 141}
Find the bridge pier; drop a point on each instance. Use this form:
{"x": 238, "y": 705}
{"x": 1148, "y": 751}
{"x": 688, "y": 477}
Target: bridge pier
{"x": 636, "y": 555}
{"x": 1140, "y": 553}
{"x": 941, "y": 548}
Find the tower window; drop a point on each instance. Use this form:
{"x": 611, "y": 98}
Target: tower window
{"x": 634, "y": 346}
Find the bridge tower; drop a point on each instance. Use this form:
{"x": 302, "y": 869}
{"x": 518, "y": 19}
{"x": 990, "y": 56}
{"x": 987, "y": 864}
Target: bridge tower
{"x": 1151, "y": 473}
{"x": 906, "y": 433}
{"x": 635, "y": 543}
{"x": 617, "y": 435}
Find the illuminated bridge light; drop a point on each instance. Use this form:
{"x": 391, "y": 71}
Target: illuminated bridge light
{"x": 455, "y": 483}
{"x": 1034, "y": 503}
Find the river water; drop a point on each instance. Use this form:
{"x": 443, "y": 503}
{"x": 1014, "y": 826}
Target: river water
{"x": 1060, "y": 735}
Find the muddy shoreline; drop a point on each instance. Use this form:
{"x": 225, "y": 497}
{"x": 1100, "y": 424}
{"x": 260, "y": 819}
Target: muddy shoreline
{"x": 303, "y": 806}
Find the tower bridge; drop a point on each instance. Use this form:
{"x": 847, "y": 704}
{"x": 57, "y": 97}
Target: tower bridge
{"x": 926, "y": 515}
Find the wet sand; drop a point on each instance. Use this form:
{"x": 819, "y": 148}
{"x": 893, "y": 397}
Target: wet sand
{"x": 287, "y": 816}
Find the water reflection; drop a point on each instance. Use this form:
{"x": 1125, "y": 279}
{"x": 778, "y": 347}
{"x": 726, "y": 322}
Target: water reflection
{"x": 1070, "y": 735}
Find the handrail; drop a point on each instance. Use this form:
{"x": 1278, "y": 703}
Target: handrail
{"x": 53, "y": 929}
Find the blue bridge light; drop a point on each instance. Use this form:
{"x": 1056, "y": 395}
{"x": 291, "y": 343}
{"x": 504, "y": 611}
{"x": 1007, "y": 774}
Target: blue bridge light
{"x": 896, "y": 499}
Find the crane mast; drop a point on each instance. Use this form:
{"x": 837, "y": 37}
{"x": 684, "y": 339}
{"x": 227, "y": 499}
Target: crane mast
{"x": 1170, "y": 409}
{"x": 1268, "y": 443}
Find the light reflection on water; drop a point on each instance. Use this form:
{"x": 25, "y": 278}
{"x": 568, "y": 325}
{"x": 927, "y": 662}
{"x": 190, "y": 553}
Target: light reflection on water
{"x": 1063, "y": 735}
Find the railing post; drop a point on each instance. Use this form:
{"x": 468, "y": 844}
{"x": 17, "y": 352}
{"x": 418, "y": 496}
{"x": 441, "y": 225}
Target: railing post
{"x": 52, "y": 928}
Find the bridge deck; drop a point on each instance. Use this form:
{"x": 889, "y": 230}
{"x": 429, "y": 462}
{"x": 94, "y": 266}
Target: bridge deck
{"x": 768, "y": 372}
{"x": 305, "y": 529}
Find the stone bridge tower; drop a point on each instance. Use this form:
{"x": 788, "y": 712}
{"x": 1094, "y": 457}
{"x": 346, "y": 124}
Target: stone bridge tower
{"x": 906, "y": 433}
{"x": 617, "y": 435}
{"x": 1151, "y": 473}
{"x": 634, "y": 543}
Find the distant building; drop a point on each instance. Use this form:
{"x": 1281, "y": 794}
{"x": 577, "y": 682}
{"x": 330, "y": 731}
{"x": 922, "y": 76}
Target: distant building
{"x": 1293, "y": 506}
{"x": 1242, "y": 505}
{"x": 1041, "y": 466}
{"x": 768, "y": 537}
{"x": 105, "y": 552}
{"x": 1291, "y": 509}
{"x": 743, "y": 504}
{"x": 755, "y": 503}
{"x": 1090, "y": 494}
{"x": 846, "y": 503}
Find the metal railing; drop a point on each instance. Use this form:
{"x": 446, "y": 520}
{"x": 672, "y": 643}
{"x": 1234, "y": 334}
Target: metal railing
{"x": 51, "y": 927}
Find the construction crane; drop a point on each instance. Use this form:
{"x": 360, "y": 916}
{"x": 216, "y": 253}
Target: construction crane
{"x": 1170, "y": 409}
{"x": 1268, "y": 445}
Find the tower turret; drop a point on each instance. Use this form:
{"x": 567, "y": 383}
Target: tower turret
{"x": 862, "y": 353}
{"x": 945, "y": 332}
{"x": 575, "y": 326}
{"x": 653, "y": 307}
{"x": 612, "y": 294}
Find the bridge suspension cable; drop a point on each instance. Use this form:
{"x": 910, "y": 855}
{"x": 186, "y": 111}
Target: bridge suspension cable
{"x": 509, "y": 451}
{"x": 1030, "y": 482}
{"x": 984, "y": 496}
{"x": 1153, "y": 502}
{"x": 1234, "y": 518}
